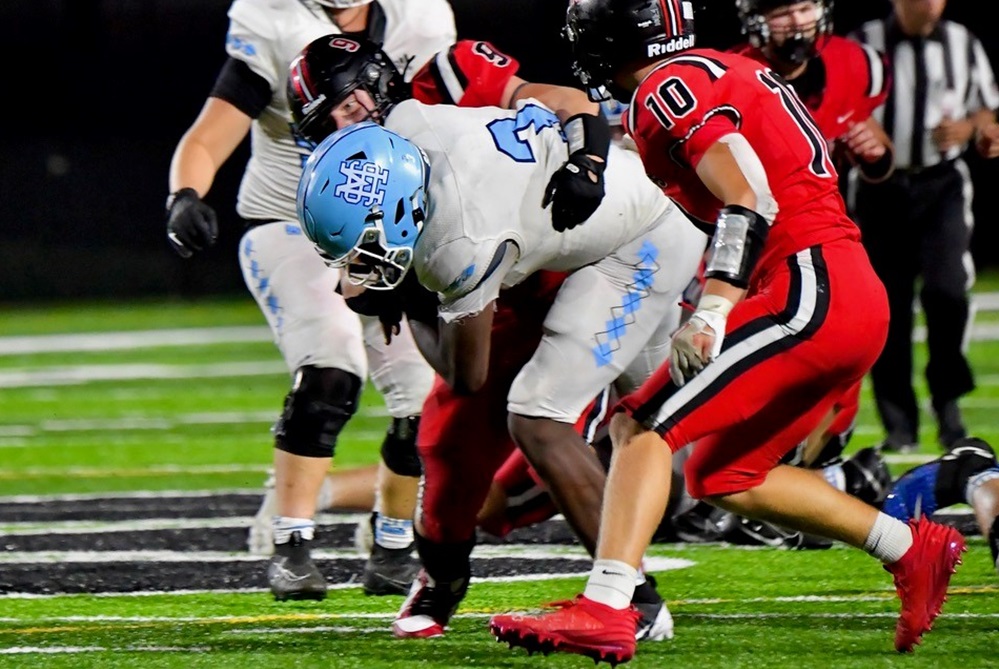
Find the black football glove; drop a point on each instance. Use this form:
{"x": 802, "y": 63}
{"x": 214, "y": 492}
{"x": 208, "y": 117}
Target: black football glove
{"x": 576, "y": 188}
{"x": 419, "y": 303}
{"x": 191, "y": 224}
{"x": 385, "y": 304}
{"x": 409, "y": 298}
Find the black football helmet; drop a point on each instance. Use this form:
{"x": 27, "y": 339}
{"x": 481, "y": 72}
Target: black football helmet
{"x": 795, "y": 48}
{"x": 607, "y": 35}
{"x": 329, "y": 69}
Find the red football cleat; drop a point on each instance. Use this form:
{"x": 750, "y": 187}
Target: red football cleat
{"x": 921, "y": 578}
{"x": 580, "y": 626}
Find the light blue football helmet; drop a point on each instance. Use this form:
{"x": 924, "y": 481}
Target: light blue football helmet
{"x": 362, "y": 202}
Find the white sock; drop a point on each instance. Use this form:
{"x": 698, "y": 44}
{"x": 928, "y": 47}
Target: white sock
{"x": 835, "y": 476}
{"x": 394, "y": 533}
{"x": 611, "y": 583}
{"x": 284, "y": 526}
{"x": 889, "y": 539}
{"x": 325, "y": 498}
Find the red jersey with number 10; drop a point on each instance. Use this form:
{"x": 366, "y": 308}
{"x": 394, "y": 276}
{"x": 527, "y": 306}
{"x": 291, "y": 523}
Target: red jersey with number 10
{"x": 694, "y": 99}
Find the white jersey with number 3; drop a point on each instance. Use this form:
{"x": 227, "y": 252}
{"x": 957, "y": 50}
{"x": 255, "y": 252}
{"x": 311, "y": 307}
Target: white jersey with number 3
{"x": 489, "y": 169}
{"x": 628, "y": 263}
{"x": 267, "y": 35}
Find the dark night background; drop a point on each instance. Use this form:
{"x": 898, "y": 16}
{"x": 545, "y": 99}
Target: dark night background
{"x": 99, "y": 93}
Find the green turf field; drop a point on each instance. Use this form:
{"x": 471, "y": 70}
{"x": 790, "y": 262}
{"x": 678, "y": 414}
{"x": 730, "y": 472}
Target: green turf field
{"x": 96, "y": 399}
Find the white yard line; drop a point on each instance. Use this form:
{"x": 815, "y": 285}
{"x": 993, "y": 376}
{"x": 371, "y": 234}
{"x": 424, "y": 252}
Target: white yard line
{"x": 136, "y": 339}
{"x": 75, "y": 375}
{"x": 121, "y": 341}
{"x": 485, "y": 552}
{"x": 35, "y": 528}
{"x": 136, "y": 494}
{"x": 153, "y": 470}
{"x": 73, "y": 650}
{"x": 677, "y": 607}
{"x": 18, "y": 435}
{"x": 15, "y": 435}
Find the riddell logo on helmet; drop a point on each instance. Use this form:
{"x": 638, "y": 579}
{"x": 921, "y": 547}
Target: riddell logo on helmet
{"x": 672, "y": 46}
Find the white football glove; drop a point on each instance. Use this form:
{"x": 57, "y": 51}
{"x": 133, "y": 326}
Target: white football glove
{"x": 699, "y": 340}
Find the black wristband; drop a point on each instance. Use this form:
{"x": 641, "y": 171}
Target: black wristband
{"x": 588, "y": 134}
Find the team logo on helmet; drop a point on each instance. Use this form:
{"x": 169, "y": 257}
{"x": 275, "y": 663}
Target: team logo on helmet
{"x": 348, "y": 45}
{"x": 365, "y": 183}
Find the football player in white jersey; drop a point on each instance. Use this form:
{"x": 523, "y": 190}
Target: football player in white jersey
{"x": 486, "y": 173}
{"x": 456, "y": 479}
{"x": 328, "y": 349}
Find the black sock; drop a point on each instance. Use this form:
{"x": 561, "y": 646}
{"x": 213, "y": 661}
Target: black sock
{"x": 445, "y": 562}
{"x": 646, "y": 593}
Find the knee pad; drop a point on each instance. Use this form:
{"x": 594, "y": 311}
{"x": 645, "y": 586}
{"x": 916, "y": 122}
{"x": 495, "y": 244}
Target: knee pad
{"x": 319, "y": 404}
{"x": 399, "y": 448}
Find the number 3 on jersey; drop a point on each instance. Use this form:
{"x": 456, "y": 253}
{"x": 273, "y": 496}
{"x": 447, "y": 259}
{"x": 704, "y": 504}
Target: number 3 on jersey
{"x": 509, "y": 134}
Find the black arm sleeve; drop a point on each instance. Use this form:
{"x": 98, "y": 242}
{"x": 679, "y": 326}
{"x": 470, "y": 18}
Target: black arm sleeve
{"x": 243, "y": 88}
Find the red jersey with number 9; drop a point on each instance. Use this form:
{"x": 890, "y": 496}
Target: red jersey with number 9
{"x": 468, "y": 74}
{"x": 692, "y": 100}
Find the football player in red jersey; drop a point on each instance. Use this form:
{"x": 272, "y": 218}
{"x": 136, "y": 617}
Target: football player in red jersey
{"x": 332, "y": 87}
{"x": 791, "y": 317}
{"x": 840, "y": 81}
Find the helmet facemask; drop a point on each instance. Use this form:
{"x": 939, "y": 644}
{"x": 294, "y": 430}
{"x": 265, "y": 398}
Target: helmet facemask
{"x": 372, "y": 264}
{"x": 792, "y": 47}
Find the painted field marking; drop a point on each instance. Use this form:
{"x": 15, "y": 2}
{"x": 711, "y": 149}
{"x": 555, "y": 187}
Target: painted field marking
{"x": 138, "y": 339}
{"x": 476, "y": 613}
{"x": 153, "y": 470}
{"x": 72, "y": 650}
{"x": 121, "y": 341}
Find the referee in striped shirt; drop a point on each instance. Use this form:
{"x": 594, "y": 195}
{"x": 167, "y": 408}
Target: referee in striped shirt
{"x": 917, "y": 223}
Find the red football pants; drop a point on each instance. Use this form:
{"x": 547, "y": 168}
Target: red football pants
{"x": 463, "y": 440}
{"x": 808, "y": 332}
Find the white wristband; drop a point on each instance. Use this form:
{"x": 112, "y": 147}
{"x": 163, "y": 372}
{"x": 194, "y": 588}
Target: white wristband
{"x": 716, "y": 304}
{"x": 575, "y": 135}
